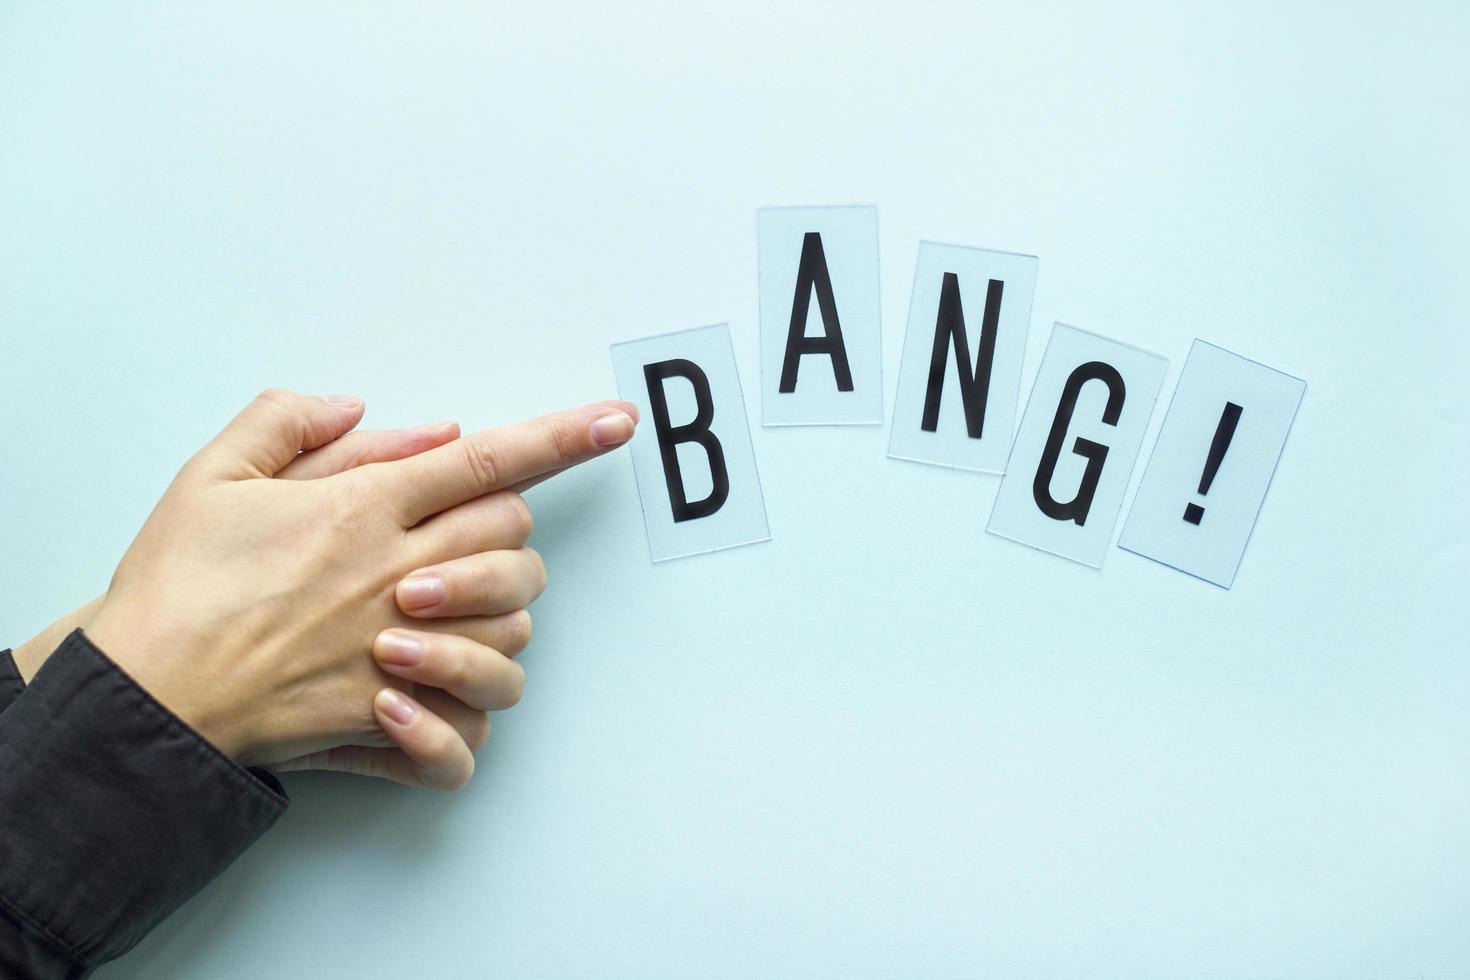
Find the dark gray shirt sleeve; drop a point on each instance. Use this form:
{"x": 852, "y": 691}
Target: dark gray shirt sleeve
{"x": 113, "y": 812}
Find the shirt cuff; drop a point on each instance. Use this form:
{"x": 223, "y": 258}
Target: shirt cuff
{"x": 116, "y": 812}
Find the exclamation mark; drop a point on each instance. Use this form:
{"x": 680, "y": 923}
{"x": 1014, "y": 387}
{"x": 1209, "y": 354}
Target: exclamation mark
{"x": 1224, "y": 432}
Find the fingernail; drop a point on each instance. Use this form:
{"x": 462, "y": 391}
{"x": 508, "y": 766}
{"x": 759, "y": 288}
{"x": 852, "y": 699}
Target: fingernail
{"x": 431, "y": 426}
{"x": 343, "y": 401}
{"x": 400, "y": 649}
{"x": 420, "y": 591}
{"x": 612, "y": 430}
{"x": 396, "y": 706}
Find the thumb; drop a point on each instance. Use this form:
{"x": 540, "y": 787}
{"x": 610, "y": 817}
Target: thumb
{"x": 274, "y": 428}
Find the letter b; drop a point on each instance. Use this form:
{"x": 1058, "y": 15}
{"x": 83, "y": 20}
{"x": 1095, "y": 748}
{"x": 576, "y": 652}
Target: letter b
{"x": 697, "y": 431}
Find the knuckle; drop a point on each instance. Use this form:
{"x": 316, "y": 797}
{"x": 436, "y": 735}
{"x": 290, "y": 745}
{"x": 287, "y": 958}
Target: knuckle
{"x": 538, "y": 570}
{"x": 460, "y": 777}
{"x": 515, "y": 688}
{"x": 276, "y": 397}
{"x": 521, "y": 520}
{"x": 518, "y": 632}
{"x": 566, "y": 439}
{"x": 440, "y": 746}
{"x": 479, "y": 732}
{"x": 484, "y": 462}
{"x": 488, "y": 575}
{"x": 457, "y": 671}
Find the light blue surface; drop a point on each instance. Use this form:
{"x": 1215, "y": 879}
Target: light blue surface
{"x": 1156, "y": 527}
{"x": 950, "y": 444}
{"x": 886, "y": 744}
{"x": 1092, "y": 444}
{"x": 741, "y": 518}
{"x": 849, "y": 237}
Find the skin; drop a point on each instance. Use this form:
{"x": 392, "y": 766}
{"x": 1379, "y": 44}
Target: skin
{"x": 351, "y": 450}
{"x": 472, "y": 725}
{"x": 287, "y": 548}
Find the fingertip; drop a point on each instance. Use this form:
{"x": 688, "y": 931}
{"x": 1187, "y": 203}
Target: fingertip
{"x": 349, "y": 412}
{"x": 436, "y": 755}
{"x": 612, "y": 429}
{"x": 423, "y": 438}
{"x": 438, "y": 428}
{"x": 350, "y": 404}
{"x": 458, "y": 780}
{"x": 394, "y": 444}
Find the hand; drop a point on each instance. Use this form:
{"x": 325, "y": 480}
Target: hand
{"x": 435, "y": 729}
{"x": 354, "y": 449}
{"x": 426, "y": 755}
{"x": 459, "y": 680}
{"x": 246, "y": 603}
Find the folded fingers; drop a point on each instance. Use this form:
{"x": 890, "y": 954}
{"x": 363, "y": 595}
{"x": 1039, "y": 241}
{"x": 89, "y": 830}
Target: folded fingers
{"x": 367, "y": 446}
{"x": 495, "y": 521}
{"x": 435, "y": 755}
{"x": 476, "y": 675}
{"x": 510, "y": 633}
{"x": 490, "y": 583}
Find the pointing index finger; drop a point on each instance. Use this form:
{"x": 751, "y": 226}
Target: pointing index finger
{"x": 509, "y": 456}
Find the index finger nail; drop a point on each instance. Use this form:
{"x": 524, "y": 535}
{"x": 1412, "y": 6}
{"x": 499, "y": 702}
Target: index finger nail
{"x": 612, "y": 430}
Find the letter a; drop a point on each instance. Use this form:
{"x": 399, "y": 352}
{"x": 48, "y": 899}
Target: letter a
{"x": 812, "y": 274}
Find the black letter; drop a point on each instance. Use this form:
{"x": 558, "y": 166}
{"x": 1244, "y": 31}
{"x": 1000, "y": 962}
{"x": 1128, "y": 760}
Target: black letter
{"x": 813, "y": 272}
{"x": 974, "y": 384}
{"x": 1076, "y": 508}
{"x": 698, "y": 431}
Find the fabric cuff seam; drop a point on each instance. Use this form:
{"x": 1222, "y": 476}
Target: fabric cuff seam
{"x": 28, "y": 921}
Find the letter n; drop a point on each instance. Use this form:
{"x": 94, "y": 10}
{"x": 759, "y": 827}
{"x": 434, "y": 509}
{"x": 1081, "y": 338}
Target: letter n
{"x": 950, "y": 329}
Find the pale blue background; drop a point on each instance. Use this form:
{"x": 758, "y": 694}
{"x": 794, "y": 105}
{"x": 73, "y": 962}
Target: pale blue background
{"x": 1016, "y": 514}
{"x": 886, "y": 744}
{"x": 1155, "y": 526}
{"x": 850, "y": 247}
{"x": 950, "y": 444}
{"x": 741, "y": 519}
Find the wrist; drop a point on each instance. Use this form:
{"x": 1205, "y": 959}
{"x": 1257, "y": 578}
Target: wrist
{"x": 165, "y": 670}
